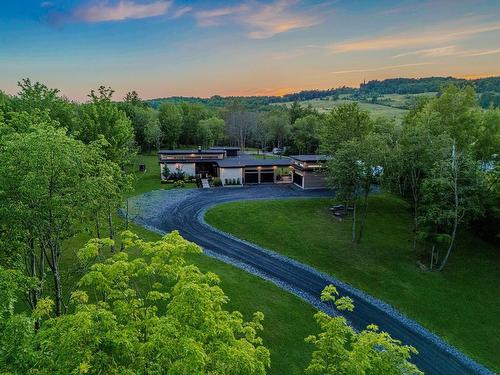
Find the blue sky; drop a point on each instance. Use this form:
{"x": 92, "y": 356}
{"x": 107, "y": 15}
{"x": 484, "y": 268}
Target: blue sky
{"x": 162, "y": 48}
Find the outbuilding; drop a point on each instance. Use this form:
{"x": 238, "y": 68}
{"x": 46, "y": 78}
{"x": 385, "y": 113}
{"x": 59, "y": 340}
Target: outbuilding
{"x": 308, "y": 171}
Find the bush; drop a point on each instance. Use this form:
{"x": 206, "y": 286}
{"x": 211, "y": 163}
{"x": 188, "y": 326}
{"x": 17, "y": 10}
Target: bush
{"x": 178, "y": 175}
{"x": 238, "y": 182}
{"x": 226, "y": 181}
{"x": 165, "y": 172}
{"x": 233, "y": 182}
{"x": 216, "y": 181}
{"x": 179, "y": 184}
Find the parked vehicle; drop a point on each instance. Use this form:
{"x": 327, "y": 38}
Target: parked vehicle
{"x": 277, "y": 151}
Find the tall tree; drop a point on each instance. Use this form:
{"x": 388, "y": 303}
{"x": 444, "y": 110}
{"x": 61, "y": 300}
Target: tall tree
{"x": 191, "y": 116}
{"x": 342, "y": 124}
{"x": 171, "y": 122}
{"x": 451, "y": 197}
{"x": 305, "y": 134}
{"x": 101, "y": 118}
{"x": 45, "y": 177}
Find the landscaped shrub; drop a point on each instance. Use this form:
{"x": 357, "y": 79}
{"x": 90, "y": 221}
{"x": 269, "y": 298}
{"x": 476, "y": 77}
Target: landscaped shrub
{"x": 234, "y": 181}
{"x": 179, "y": 184}
{"x": 226, "y": 182}
{"x": 179, "y": 174}
{"x": 165, "y": 172}
{"x": 216, "y": 181}
{"x": 238, "y": 181}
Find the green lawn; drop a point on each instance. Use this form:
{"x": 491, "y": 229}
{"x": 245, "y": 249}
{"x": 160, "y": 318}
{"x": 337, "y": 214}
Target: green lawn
{"x": 288, "y": 319}
{"x": 460, "y": 304}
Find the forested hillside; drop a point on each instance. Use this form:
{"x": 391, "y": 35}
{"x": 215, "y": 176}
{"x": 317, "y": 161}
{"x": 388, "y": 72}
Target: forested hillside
{"x": 488, "y": 90}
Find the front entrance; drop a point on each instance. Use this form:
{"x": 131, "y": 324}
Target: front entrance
{"x": 206, "y": 170}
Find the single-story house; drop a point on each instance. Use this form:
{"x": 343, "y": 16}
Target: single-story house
{"x": 230, "y": 165}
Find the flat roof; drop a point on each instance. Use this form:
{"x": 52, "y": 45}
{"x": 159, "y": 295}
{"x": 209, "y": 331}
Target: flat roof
{"x": 248, "y": 161}
{"x": 224, "y": 148}
{"x": 310, "y": 157}
{"x": 189, "y": 152}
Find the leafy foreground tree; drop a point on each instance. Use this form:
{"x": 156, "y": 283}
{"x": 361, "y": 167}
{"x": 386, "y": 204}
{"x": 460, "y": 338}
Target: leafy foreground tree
{"x": 153, "y": 314}
{"x": 342, "y": 351}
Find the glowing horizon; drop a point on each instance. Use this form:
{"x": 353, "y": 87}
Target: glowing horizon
{"x": 162, "y": 48}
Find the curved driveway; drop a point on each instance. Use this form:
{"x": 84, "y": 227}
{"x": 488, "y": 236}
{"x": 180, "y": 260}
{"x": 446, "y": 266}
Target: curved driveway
{"x": 183, "y": 210}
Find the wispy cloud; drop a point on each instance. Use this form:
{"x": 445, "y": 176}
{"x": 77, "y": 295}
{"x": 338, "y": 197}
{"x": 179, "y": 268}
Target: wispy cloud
{"x": 278, "y": 17}
{"x": 264, "y": 20}
{"x": 389, "y": 67}
{"x": 449, "y": 51}
{"x": 416, "y": 39}
{"x": 214, "y": 16}
{"x": 46, "y": 4}
{"x": 179, "y": 12}
{"x": 432, "y": 52}
{"x": 120, "y": 10}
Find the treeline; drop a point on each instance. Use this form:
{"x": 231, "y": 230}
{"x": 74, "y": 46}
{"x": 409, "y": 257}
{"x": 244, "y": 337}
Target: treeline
{"x": 119, "y": 304}
{"x": 488, "y": 90}
{"x": 443, "y": 159}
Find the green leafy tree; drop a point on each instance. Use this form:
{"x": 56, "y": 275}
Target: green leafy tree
{"x": 37, "y": 97}
{"x": 191, "y": 116}
{"x": 451, "y": 196}
{"x": 340, "y": 350}
{"x": 210, "y": 131}
{"x": 101, "y": 118}
{"x": 45, "y": 177}
{"x": 151, "y": 314}
{"x": 342, "y": 124}
{"x": 305, "y": 134}
{"x": 278, "y": 123}
{"x": 171, "y": 122}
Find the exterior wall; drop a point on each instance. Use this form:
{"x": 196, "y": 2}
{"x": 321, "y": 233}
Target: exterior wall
{"x": 230, "y": 173}
{"x": 314, "y": 180}
{"x": 188, "y": 168}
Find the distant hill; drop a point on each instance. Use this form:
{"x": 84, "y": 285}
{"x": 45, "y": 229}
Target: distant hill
{"x": 488, "y": 90}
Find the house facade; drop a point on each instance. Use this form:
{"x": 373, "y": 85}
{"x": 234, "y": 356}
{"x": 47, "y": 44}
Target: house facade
{"x": 232, "y": 166}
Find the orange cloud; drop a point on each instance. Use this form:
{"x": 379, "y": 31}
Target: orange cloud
{"x": 124, "y": 9}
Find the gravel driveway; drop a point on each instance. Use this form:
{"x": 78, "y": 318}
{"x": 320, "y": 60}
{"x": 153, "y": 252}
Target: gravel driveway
{"x": 183, "y": 209}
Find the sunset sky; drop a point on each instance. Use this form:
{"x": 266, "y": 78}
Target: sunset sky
{"x": 202, "y": 48}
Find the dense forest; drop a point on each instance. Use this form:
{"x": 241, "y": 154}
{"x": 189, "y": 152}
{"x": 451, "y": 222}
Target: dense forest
{"x": 488, "y": 90}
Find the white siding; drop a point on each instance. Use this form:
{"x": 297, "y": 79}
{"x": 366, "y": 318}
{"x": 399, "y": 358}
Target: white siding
{"x": 231, "y": 173}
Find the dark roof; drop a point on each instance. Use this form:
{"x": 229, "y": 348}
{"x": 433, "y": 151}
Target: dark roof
{"x": 188, "y": 152}
{"x": 224, "y": 148}
{"x": 247, "y": 161}
{"x": 310, "y": 157}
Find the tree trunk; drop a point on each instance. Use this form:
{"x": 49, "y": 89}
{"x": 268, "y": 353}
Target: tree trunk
{"x": 363, "y": 218}
{"x": 122, "y": 246}
{"x": 432, "y": 256}
{"x": 111, "y": 231}
{"x": 97, "y": 225}
{"x": 354, "y": 223}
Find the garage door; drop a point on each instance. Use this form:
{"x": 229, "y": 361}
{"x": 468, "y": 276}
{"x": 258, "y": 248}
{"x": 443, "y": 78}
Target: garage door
{"x": 297, "y": 178}
{"x": 251, "y": 178}
{"x": 267, "y": 176}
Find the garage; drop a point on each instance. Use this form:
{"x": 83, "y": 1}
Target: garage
{"x": 251, "y": 177}
{"x": 297, "y": 178}
{"x": 267, "y": 176}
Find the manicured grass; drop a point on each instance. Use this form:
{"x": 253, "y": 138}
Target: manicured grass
{"x": 288, "y": 319}
{"x": 460, "y": 304}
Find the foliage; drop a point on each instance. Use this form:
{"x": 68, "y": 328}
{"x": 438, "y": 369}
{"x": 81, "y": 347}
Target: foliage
{"x": 216, "y": 181}
{"x": 179, "y": 184}
{"x": 342, "y": 350}
{"x": 176, "y": 323}
{"x": 210, "y": 131}
{"x": 170, "y": 117}
{"x": 305, "y": 134}
{"x": 101, "y": 118}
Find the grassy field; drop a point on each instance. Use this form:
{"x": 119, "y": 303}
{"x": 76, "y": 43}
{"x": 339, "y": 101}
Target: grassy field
{"x": 288, "y": 319}
{"x": 374, "y": 109}
{"x": 461, "y": 304}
